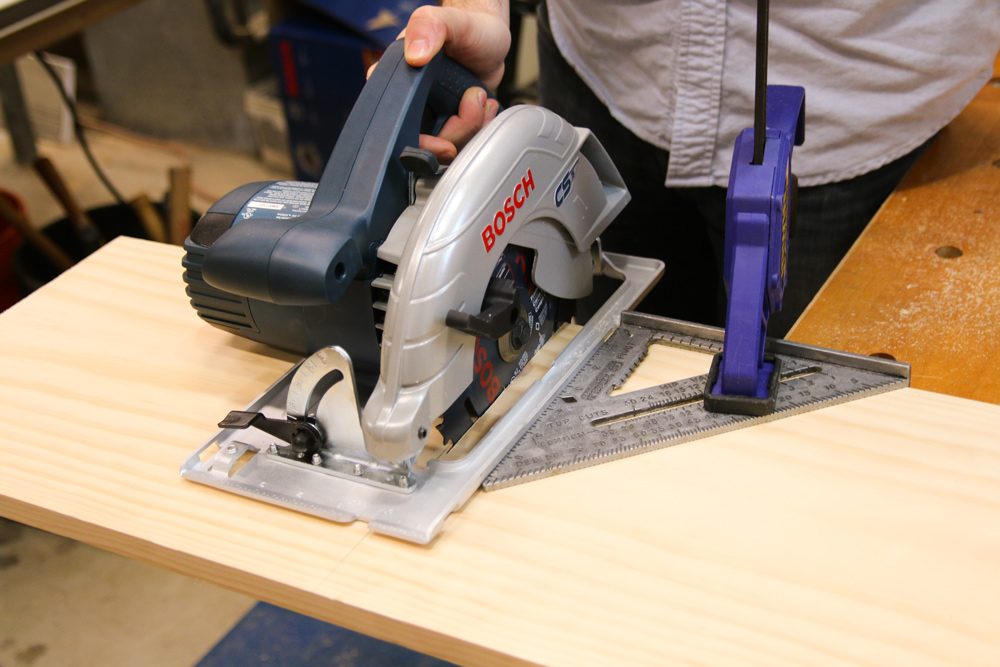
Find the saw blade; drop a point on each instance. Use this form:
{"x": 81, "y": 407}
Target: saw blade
{"x": 587, "y": 424}
{"x": 498, "y": 362}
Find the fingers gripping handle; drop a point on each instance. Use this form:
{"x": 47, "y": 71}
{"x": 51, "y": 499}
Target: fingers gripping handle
{"x": 437, "y": 87}
{"x": 450, "y": 85}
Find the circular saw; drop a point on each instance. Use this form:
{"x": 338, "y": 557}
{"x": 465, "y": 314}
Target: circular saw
{"x": 419, "y": 292}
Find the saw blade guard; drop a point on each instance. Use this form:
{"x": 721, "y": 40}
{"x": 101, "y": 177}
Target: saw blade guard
{"x": 529, "y": 179}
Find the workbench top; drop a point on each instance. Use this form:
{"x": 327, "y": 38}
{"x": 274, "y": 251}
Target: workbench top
{"x": 864, "y": 533}
{"x": 922, "y": 283}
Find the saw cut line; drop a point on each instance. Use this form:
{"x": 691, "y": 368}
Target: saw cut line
{"x": 588, "y": 425}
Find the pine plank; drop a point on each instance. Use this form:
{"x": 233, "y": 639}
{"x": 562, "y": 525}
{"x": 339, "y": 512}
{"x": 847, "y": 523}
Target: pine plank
{"x": 864, "y": 533}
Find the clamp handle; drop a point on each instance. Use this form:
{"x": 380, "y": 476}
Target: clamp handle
{"x": 311, "y": 260}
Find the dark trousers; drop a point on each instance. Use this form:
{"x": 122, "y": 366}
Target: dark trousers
{"x": 685, "y": 227}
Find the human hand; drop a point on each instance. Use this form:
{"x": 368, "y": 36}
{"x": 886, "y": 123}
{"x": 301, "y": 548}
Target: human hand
{"x": 474, "y": 112}
{"x": 475, "y": 34}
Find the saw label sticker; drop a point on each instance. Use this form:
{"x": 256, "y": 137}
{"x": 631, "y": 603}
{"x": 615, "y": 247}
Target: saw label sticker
{"x": 505, "y": 215}
{"x": 280, "y": 201}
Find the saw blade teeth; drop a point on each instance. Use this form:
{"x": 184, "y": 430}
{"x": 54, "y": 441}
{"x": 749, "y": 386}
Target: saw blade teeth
{"x": 457, "y": 420}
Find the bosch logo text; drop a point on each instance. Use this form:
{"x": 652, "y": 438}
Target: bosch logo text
{"x": 566, "y": 185}
{"x": 505, "y": 215}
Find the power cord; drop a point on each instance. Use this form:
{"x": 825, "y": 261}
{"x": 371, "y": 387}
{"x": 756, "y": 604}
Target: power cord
{"x": 78, "y": 130}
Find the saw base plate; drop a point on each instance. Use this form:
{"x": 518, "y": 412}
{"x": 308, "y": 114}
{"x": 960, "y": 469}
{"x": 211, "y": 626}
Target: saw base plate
{"x": 239, "y": 461}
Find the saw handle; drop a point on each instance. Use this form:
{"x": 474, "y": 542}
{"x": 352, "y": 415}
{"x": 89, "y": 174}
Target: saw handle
{"x": 449, "y": 87}
{"x": 312, "y": 259}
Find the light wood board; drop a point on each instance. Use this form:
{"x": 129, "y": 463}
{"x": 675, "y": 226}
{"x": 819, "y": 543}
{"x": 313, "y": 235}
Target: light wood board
{"x": 865, "y": 533}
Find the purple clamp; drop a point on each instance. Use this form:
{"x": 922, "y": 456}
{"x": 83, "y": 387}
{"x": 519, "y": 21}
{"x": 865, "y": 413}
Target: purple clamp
{"x": 760, "y": 208}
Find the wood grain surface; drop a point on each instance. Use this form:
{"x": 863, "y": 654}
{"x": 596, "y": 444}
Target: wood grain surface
{"x": 865, "y": 533}
{"x": 921, "y": 283}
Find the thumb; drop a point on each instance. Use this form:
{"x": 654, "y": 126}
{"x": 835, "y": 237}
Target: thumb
{"x": 424, "y": 35}
{"x": 477, "y": 40}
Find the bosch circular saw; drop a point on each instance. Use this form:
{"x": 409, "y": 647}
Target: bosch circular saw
{"x": 419, "y": 293}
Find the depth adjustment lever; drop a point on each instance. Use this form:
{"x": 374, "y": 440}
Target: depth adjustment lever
{"x": 303, "y": 436}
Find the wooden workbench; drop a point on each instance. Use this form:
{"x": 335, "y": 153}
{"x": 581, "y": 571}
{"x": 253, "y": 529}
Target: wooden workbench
{"x": 865, "y": 533}
{"x": 27, "y": 25}
{"x": 922, "y": 283}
